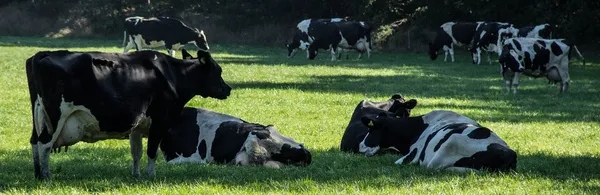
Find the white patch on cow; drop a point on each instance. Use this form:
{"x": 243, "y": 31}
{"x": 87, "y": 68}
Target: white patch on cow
{"x": 303, "y": 26}
{"x": 447, "y": 27}
{"x": 273, "y": 164}
{"x": 369, "y": 151}
{"x": 208, "y": 122}
{"x": 535, "y": 32}
{"x": 446, "y": 51}
{"x": 336, "y": 19}
{"x": 304, "y": 45}
{"x": 242, "y": 158}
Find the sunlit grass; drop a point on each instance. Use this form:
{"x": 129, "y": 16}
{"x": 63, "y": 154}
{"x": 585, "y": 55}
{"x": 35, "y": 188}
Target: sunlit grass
{"x": 556, "y": 136}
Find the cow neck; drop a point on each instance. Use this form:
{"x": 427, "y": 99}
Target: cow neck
{"x": 411, "y": 127}
{"x": 186, "y": 93}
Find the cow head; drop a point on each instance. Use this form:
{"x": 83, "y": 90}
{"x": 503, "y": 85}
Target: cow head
{"x": 381, "y": 134}
{"x": 299, "y": 41}
{"x": 200, "y": 40}
{"x": 433, "y": 51}
{"x": 211, "y": 83}
{"x": 402, "y": 108}
{"x": 509, "y": 58}
{"x": 312, "y": 52}
{"x": 266, "y": 146}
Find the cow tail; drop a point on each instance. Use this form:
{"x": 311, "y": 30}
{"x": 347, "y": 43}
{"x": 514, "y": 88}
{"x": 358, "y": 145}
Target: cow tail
{"x": 578, "y": 53}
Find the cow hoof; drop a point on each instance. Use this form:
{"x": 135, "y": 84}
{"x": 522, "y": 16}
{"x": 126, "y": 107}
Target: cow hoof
{"x": 151, "y": 173}
{"x": 135, "y": 174}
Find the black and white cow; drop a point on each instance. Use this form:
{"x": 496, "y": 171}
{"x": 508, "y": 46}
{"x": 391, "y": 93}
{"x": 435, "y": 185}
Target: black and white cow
{"x": 452, "y": 34}
{"x": 338, "y": 32}
{"x": 542, "y": 31}
{"x": 93, "y": 96}
{"x": 536, "y": 58}
{"x": 204, "y": 136}
{"x": 162, "y": 31}
{"x": 355, "y": 131}
{"x": 336, "y": 36}
{"x": 487, "y": 37}
{"x": 440, "y": 139}
{"x": 301, "y": 39}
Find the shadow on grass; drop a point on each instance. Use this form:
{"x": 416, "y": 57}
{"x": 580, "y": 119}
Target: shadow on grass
{"x": 105, "y": 169}
{"x": 577, "y": 105}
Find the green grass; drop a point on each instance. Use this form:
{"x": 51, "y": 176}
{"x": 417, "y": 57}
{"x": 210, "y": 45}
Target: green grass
{"x": 557, "y": 137}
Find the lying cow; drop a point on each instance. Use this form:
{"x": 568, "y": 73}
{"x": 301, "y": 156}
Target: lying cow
{"x": 339, "y": 35}
{"x": 452, "y": 34}
{"x": 93, "y": 96}
{"x": 487, "y": 37}
{"x": 536, "y": 58}
{"x": 162, "y": 31}
{"x": 203, "y": 136}
{"x": 355, "y": 131}
{"x": 439, "y": 140}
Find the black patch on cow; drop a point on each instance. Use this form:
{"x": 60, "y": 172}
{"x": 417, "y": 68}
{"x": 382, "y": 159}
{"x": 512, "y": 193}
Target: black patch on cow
{"x": 480, "y": 133}
{"x": 422, "y": 156}
{"x": 496, "y": 158}
{"x": 556, "y": 50}
{"x": 456, "y": 128}
{"x": 527, "y": 61}
{"x": 230, "y": 137}
{"x": 410, "y": 157}
{"x": 517, "y": 45}
{"x": 182, "y": 138}
{"x": 202, "y": 149}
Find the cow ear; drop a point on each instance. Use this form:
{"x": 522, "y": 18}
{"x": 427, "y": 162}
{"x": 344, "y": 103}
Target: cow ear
{"x": 185, "y": 54}
{"x": 368, "y": 122}
{"x": 397, "y": 96}
{"x": 203, "y": 56}
{"x": 411, "y": 104}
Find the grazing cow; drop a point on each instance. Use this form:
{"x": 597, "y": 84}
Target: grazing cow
{"x": 336, "y": 36}
{"x": 356, "y": 131}
{"x": 93, "y": 96}
{"x": 301, "y": 38}
{"x": 203, "y": 136}
{"x": 162, "y": 31}
{"x": 536, "y": 58}
{"x": 350, "y": 36}
{"x": 439, "y": 140}
{"x": 542, "y": 31}
{"x": 452, "y": 34}
{"x": 487, "y": 38}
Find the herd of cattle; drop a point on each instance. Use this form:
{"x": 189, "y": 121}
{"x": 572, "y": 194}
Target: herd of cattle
{"x": 93, "y": 96}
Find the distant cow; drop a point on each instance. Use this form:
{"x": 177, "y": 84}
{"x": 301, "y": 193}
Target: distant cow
{"x": 452, "y": 34}
{"x": 339, "y": 35}
{"x": 93, "y": 96}
{"x": 346, "y": 35}
{"x": 355, "y": 131}
{"x": 536, "y": 58}
{"x": 487, "y": 38}
{"x": 162, "y": 31}
{"x": 203, "y": 136}
{"x": 439, "y": 139}
{"x": 542, "y": 31}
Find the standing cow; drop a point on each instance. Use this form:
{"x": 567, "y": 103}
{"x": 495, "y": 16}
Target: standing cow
{"x": 542, "y": 31}
{"x": 93, "y": 96}
{"x": 162, "y": 31}
{"x": 355, "y": 131}
{"x": 487, "y": 37}
{"x": 204, "y": 136}
{"x": 301, "y": 39}
{"x": 440, "y": 139}
{"x": 536, "y": 58}
{"x": 452, "y": 34}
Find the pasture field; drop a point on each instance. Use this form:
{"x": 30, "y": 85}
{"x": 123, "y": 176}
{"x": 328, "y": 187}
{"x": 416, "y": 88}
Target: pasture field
{"x": 557, "y": 137}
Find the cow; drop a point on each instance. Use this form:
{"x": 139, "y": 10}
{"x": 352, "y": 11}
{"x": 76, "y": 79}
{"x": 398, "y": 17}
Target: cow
{"x": 487, "y": 37}
{"x": 441, "y": 140}
{"x": 203, "y": 136}
{"x": 93, "y": 96}
{"x": 350, "y": 36}
{"x": 161, "y": 31}
{"x": 301, "y": 39}
{"x": 335, "y": 36}
{"x": 542, "y": 31}
{"x": 536, "y": 58}
{"x": 355, "y": 131}
{"x": 452, "y": 34}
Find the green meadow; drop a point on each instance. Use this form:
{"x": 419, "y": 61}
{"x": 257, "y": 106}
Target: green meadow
{"x": 556, "y": 136}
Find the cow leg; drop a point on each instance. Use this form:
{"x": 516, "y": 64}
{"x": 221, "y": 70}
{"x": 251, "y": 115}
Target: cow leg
{"x": 36, "y": 155}
{"x": 508, "y": 76}
{"x": 332, "y": 48}
{"x": 515, "y": 82}
{"x": 44, "y": 159}
{"x": 339, "y": 50}
{"x": 135, "y": 146}
{"x": 368, "y": 51}
{"x": 451, "y": 50}
{"x": 489, "y": 58}
{"x": 157, "y": 131}
{"x": 138, "y": 43}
